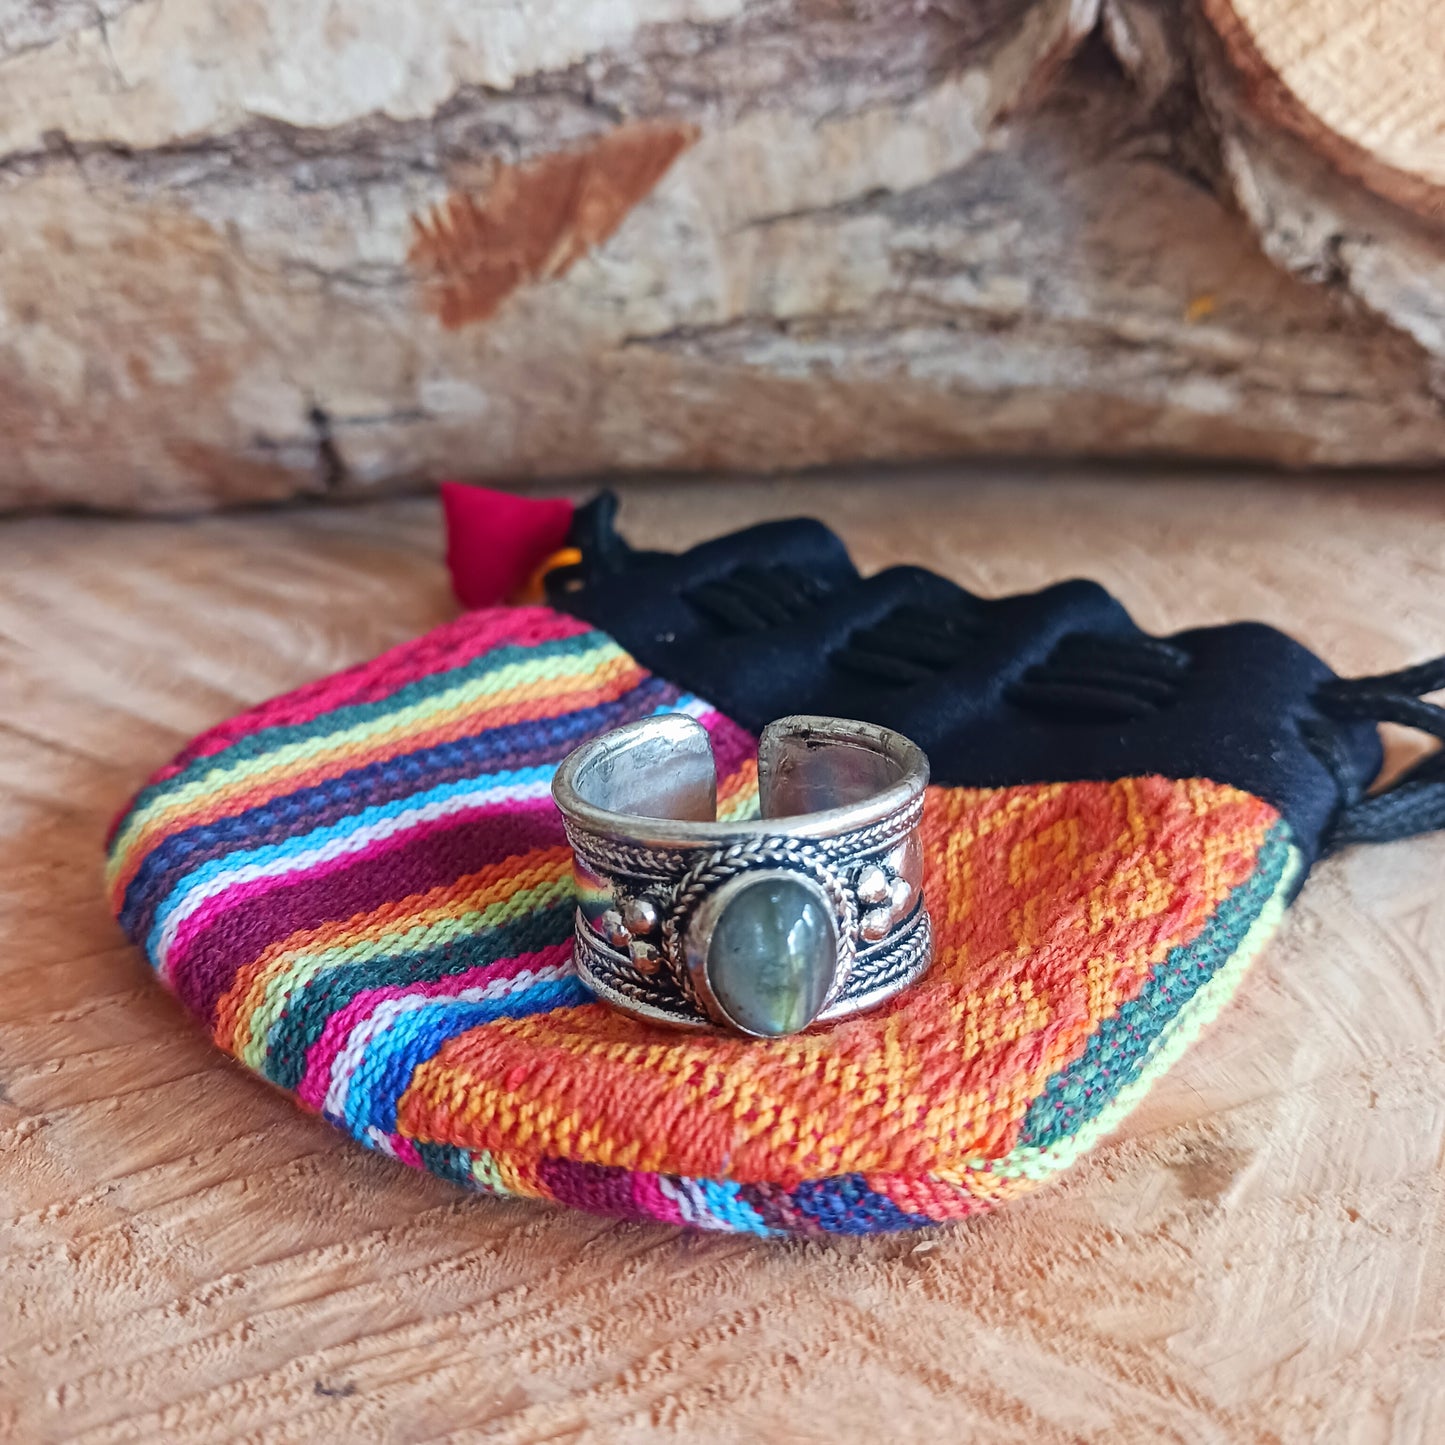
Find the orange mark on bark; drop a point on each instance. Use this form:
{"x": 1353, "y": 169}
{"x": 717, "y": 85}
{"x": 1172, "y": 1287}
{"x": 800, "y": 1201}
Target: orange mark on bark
{"x": 535, "y": 222}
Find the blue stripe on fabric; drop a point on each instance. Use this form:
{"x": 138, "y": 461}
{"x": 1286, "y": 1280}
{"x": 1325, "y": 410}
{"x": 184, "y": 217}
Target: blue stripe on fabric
{"x": 298, "y": 843}
{"x": 724, "y": 1201}
{"x": 557, "y": 736}
{"x": 310, "y": 1006}
{"x": 844, "y": 1204}
{"x": 338, "y": 833}
{"x": 419, "y": 1034}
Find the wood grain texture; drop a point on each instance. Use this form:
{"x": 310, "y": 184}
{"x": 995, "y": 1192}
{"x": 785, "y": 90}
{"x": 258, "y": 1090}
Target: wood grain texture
{"x": 1361, "y": 81}
{"x": 534, "y": 223}
{"x": 1320, "y": 205}
{"x": 1258, "y": 1257}
{"x": 301, "y": 247}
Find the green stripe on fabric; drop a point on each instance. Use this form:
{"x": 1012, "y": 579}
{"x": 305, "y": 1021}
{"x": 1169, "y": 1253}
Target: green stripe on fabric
{"x": 394, "y": 949}
{"x": 510, "y": 658}
{"x": 1038, "y": 1162}
{"x": 1119, "y": 1046}
{"x": 307, "y": 1007}
{"x": 236, "y": 769}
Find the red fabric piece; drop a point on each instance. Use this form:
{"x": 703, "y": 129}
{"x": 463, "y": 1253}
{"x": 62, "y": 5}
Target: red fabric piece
{"x": 496, "y": 541}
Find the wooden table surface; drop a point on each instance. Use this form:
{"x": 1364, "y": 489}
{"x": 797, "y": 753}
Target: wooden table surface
{"x": 1258, "y": 1256}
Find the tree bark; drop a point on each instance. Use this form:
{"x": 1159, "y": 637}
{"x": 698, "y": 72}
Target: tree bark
{"x": 293, "y": 248}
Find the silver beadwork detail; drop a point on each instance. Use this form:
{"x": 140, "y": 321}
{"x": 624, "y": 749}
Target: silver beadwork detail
{"x": 878, "y": 974}
{"x": 640, "y": 917}
{"x": 873, "y": 885}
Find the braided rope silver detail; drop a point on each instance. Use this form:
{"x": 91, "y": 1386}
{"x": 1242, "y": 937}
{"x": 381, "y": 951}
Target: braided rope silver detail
{"x": 649, "y": 864}
{"x": 607, "y": 973}
{"x": 667, "y": 863}
{"x": 898, "y": 955}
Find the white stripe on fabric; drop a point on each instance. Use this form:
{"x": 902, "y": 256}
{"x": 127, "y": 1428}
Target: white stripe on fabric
{"x": 349, "y": 1058}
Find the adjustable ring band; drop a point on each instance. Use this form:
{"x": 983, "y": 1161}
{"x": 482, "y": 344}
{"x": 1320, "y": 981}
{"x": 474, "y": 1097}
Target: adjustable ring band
{"x": 763, "y": 926}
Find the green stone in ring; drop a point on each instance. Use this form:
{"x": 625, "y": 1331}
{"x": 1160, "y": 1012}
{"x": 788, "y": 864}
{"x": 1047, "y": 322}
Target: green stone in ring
{"x": 773, "y": 955}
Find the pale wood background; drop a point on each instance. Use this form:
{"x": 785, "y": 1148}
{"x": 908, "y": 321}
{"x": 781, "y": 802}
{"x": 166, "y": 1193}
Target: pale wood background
{"x": 296, "y": 247}
{"x": 1257, "y": 1257}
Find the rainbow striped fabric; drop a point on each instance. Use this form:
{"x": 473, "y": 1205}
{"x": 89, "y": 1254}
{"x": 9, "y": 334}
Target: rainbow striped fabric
{"x": 363, "y": 891}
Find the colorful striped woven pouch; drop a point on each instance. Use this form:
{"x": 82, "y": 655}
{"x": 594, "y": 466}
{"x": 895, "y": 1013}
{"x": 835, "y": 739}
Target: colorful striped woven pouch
{"x": 363, "y": 891}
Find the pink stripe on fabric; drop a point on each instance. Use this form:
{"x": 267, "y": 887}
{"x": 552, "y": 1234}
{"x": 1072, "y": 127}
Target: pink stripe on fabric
{"x": 322, "y": 1054}
{"x": 252, "y": 888}
{"x": 410, "y": 872}
{"x": 407, "y": 1152}
{"x": 446, "y": 647}
{"x": 732, "y": 745}
{"x": 647, "y": 1195}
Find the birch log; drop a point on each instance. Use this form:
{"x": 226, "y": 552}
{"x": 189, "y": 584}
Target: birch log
{"x": 289, "y": 247}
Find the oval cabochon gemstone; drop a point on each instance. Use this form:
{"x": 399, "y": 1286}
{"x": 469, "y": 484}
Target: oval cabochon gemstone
{"x": 773, "y": 954}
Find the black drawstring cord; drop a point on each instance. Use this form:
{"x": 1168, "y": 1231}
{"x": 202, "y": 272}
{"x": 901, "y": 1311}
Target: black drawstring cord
{"x": 1414, "y": 681}
{"x": 1415, "y": 802}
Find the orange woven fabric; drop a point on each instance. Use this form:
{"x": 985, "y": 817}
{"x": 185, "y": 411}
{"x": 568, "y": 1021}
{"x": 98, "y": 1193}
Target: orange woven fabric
{"x": 1051, "y": 905}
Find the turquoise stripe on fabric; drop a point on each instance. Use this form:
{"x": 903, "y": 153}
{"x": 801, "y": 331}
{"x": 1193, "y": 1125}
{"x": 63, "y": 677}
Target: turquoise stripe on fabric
{"x": 310, "y": 1005}
{"x": 418, "y": 1035}
{"x": 723, "y": 1200}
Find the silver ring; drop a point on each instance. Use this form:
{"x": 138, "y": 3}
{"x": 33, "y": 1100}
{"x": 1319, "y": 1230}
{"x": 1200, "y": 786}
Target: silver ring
{"x": 812, "y": 912}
